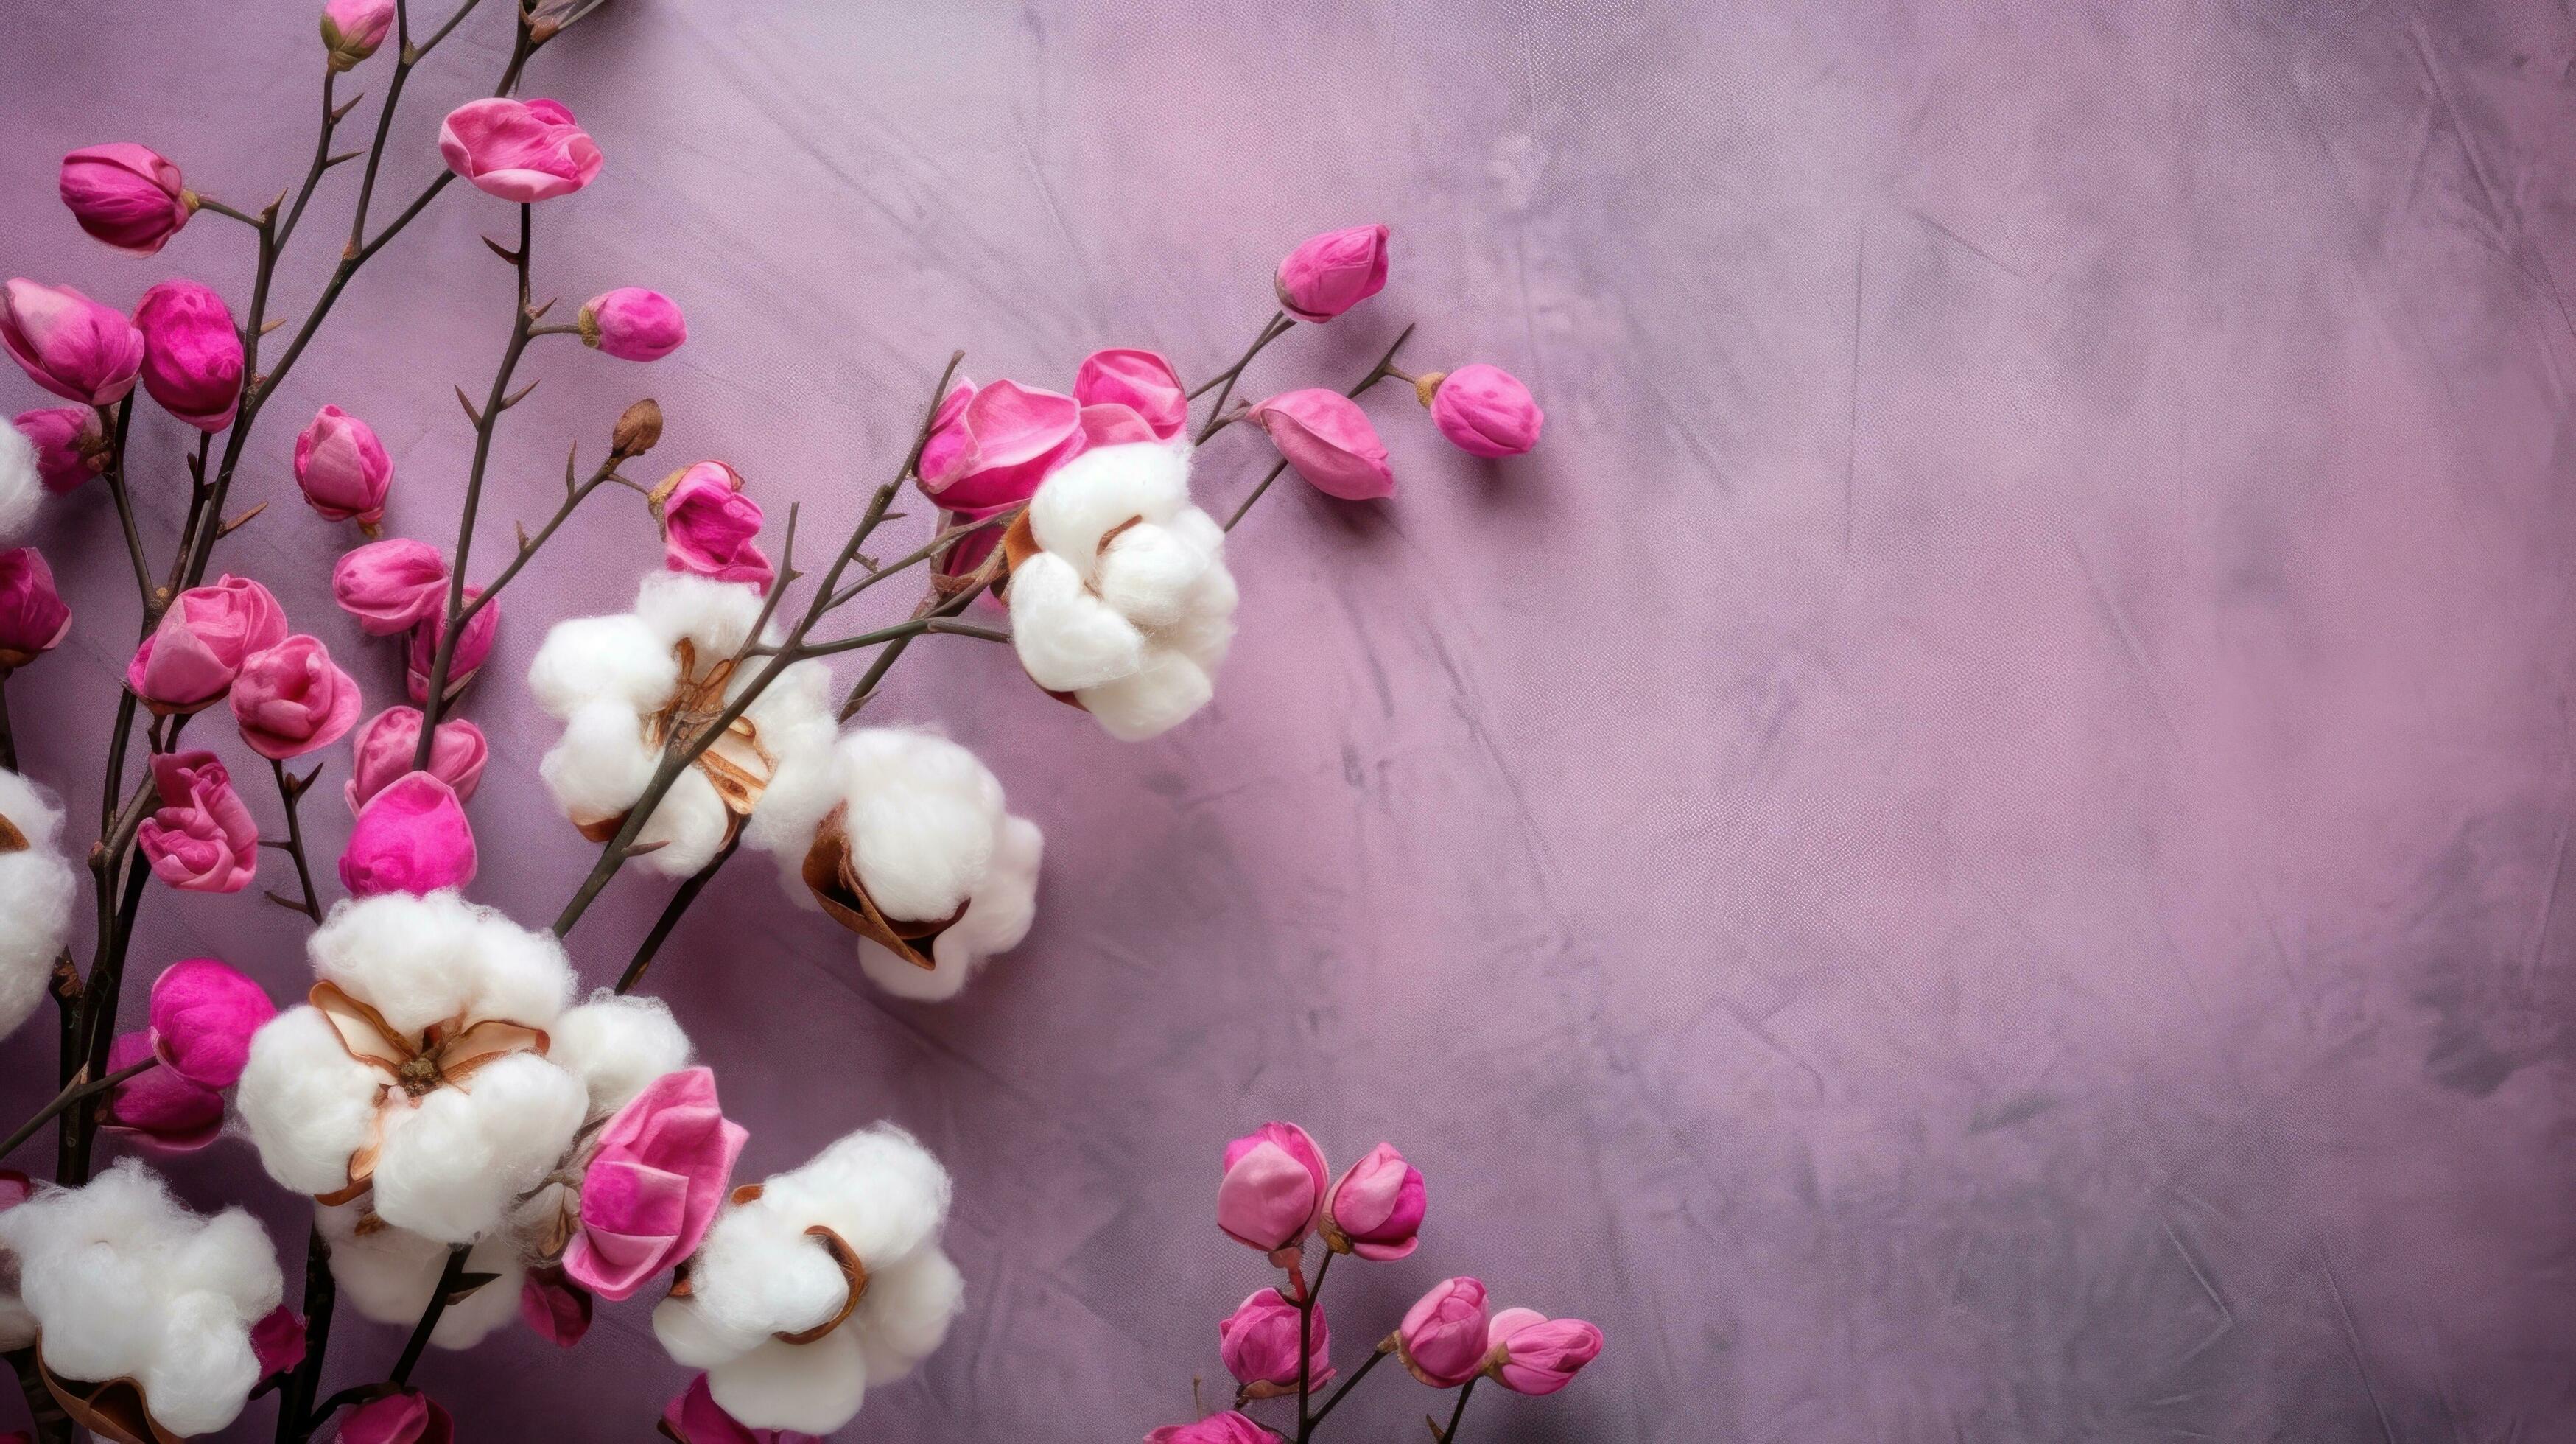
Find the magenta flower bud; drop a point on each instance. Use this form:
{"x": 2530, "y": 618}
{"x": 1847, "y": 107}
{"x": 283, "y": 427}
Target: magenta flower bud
{"x": 412, "y": 837}
{"x": 696, "y": 1418}
{"x": 1141, "y": 381}
{"x": 555, "y": 1307}
{"x": 159, "y": 1107}
{"x": 192, "y": 657}
{"x": 126, "y": 195}
{"x": 994, "y": 447}
{"x": 1326, "y": 436}
{"x": 1529, "y": 1353}
{"x": 1112, "y": 423}
{"x": 709, "y": 526}
{"x": 1376, "y": 1209}
{"x": 471, "y": 648}
{"x": 519, "y": 150}
{"x": 1273, "y": 1190}
{"x": 632, "y": 324}
{"x": 1258, "y": 1343}
{"x": 202, "y": 838}
{"x": 1333, "y": 272}
{"x": 33, "y": 619}
{"x": 69, "y": 344}
{"x": 192, "y": 356}
{"x": 1226, "y": 1428}
{"x": 384, "y": 744}
{"x": 278, "y": 1341}
{"x": 944, "y": 451}
{"x": 655, "y": 1185}
{"x": 353, "y": 29}
{"x": 342, "y": 468}
{"x": 71, "y": 447}
{"x": 292, "y": 699}
{"x": 1442, "y": 1338}
{"x": 410, "y": 1417}
{"x": 392, "y": 585}
{"x": 1483, "y": 410}
{"x": 203, "y": 1013}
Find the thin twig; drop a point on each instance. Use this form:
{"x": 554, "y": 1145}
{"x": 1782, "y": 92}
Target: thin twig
{"x": 291, "y": 791}
{"x": 671, "y": 912}
{"x": 1451, "y": 1433}
{"x": 73, "y": 1093}
{"x": 448, "y": 1278}
{"x": 1348, "y": 1384}
{"x": 321, "y": 1293}
{"x": 116, "y": 422}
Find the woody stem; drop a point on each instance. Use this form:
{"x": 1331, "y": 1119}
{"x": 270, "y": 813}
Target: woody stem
{"x": 671, "y": 912}
{"x": 291, "y": 792}
{"x": 71, "y": 1094}
{"x": 438, "y": 1299}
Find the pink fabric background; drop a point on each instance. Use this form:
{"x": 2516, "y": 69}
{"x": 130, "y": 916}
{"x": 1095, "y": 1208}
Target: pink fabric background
{"x": 1973, "y": 851}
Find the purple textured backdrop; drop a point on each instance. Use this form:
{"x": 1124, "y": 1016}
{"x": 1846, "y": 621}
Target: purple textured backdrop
{"x": 1972, "y": 851}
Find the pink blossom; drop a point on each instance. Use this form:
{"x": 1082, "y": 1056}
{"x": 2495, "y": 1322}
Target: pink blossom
{"x": 1375, "y": 1210}
{"x": 385, "y": 744}
{"x": 412, "y": 837}
{"x": 1141, "y": 381}
{"x": 192, "y": 353}
{"x": 342, "y": 468}
{"x": 1326, "y": 436}
{"x": 471, "y": 647}
{"x": 159, "y": 1106}
{"x": 655, "y": 1186}
{"x": 203, "y": 1013}
{"x": 970, "y": 550}
{"x": 1485, "y": 411}
{"x": 353, "y": 29}
{"x": 1530, "y": 1353}
{"x": 202, "y": 838}
{"x": 993, "y": 447}
{"x": 633, "y": 324}
{"x": 1273, "y": 1191}
{"x": 69, "y": 344}
{"x": 292, "y": 699}
{"x": 1111, "y": 423}
{"x": 696, "y": 1418}
{"x": 1258, "y": 1343}
{"x": 519, "y": 150}
{"x": 409, "y": 1417}
{"x": 33, "y": 619}
{"x": 1226, "y": 1428}
{"x": 555, "y": 1307}
{"x": 1333, "y": 272}
{"x": 1442, "y": 1338}
{"x": 70, "y": 445}
{"x": 278, "y": 1341}
{"x": 202, "y": 642}
{"x": 709, "y": 526}
{"x": 390, "y": 585}
{"x": 126, "y": 195}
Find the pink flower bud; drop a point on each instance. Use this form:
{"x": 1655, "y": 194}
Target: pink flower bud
{"x": 1141, "y": 381}
{"x": 709, "y": 527}
{"x": 158, "y": 1106}
{"x": 632, "y": 324}
{"x": 126, "y": 195}
{"x": 292, "y": 699}
{"x": 410, "y": 1417}
{"x": 413, "y": 837}
{"x": 1258, "y": 1343}
{"x": 555, "y": 1307}
{"x": 342, "y": 468}
{"x": 1530, "y": 1353}
{"x": 1273, "y": 1189}
{"x": 1376, "y": 1209}
{"x": 203, "y": 1013}
{"x": 1333, "y": 272}
{"x": 1226, "y": 1428}
{"x": 192, "y": 657}
{"x": 1442, "y": 1338}
{"x": 70, "y": 445}
{"x": 1326, "y": 436}
{"x": 1483, "y": 410}
{"x": 1110, "y": 423}
{"x": 202, "y": 839}
{"x": 277, "y": 1341}
{"x": 696, "y": 1418}
{"x": 391, "y": 585}
{"x": 384, "y": 745}
{"x": 471, "y": 648}
{"x": 33, "y": 619}
{"x": 655, "y": 1185}
{"x": 352, "y": 29}
{"x": 519, "y": 150}
{"x": 994, "y": 447}
{"x": 192, "y": 357}
{"x": 69, "y": 344}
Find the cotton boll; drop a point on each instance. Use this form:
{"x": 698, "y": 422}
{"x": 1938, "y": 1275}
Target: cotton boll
{"x": 203, "y": 1371}
{"x": 68, "y": 1285}
{"x": 997, "y": 918}
{"x": 906, "y": 1313}
{"x": 690, "y": 822}
{"x": 693, "y": 1337}
{"x": 410, "y": 958}
{"x": 1104, "y": 488}
{"x": 602, "y": 765}
{"x": 19, "y": 489}
{"x": 714, "y": 617}
{"x": 451, "y": 1165}
{"x": 521, "y": 975}
{"x": 1151, "y": 700}
{"x": 617, "y": 1045}
{"x": 1066, "y": 637}
{"x": 878, "y": 1189}
{"x": 305, "y": 1102}
{"x": 36, "y": 893}
{"x": 813, "y": 1388}
{"x": 229, "y": 1257}
{"x": 602, "y": 659}
{"x": 797, "y": 728}
{"x": 921, "y": 813}
{"x": 388, "y": 1274}
{"x": 1205, "y": 630}
{"x": 760, "y": 1273}
{"x": 1147, "y": 572}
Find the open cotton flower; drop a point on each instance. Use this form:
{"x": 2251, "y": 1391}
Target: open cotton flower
{"x": 918, "y": 858}
{"x": 36, "y": 887}
{"x": 1119, "y": 591}
{"x": 623, "y": 684}
{"x": 818, "y": 1284}
{"x": 127, "y": 1285}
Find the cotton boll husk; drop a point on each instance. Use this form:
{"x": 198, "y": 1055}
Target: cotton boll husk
{"x": 388, "y": 1275}
{"x": 617, "y": 1045}
{"x": 602, "y": 764}
{"x": 602, "y": 659}
{"x": 1104, "y": 488}
{"x": 305, "y": 1102}
{"x": 812, "y": 1388}
{"x": 714, "y": 617}
{"x": 796, "y": 725}
{"x": 204, "y": 1369}
{"x": 998, "y": 917}
{"x": 921, "y": 813}
{"x": 452, "y": 1164}
{"x": 36, "y": 892}
{"x": 877, "y": 1188}
{"x": 1147, "y": 573}
{"x": 1152, "y": 700}
{"x": 905, "y": 1314}
{"x": 690, "y": 822}
{"x": 19, "y": 489}
{"x": 1066, "y": 637}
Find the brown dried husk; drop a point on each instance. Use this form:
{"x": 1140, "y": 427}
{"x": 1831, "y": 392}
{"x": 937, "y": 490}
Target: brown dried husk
{"x": 115, "y": 1410}
{"x": 737, "y": 765}
{"x": 831, "y": 874}
{"x": 11, "y": 839}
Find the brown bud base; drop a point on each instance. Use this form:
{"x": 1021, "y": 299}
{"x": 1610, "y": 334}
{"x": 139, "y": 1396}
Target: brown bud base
{"x": 115, "y": 1410}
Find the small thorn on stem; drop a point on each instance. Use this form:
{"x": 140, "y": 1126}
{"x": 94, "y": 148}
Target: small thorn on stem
{"x": 470, "y": 413}
{"x": 272, "y": 325}
{"x": 508, "y": 257}
{"x": 522, "y": 529}
{"x": 515, "y": 397}
{"x": 240, "y": 521}
{"x": 538, "y": 312}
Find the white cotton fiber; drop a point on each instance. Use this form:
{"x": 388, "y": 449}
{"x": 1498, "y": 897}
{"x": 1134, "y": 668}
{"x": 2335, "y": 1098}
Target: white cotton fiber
{"x": 1103, "y": 488}
{"x": 921, "y": 813}
{"x": 305, "y": 1102}
{"x": 908, "y": 1308}
{"x": 714, "y": 617}
{"x": 388, "y": 1274}
{"x": 125, "y": 1283}
{"x": 19, "y": 488}
{"x": 880, "y": 1190}
{"x": 422, "y": 960}
{"x": 1147, "y": 572}
{"x": 37, "y": 887}
{"x": 693, "y": 1337}
{"x": 452, "y": 1164}
{"x": 797, "y": 730}
{"x": 1066, "y": 637}
{"x": 997, "y": 918}
{"x": 602, "y": 764}
{"x": 813, "y": 1388}
{"x": 602, "y": 659}
{"x": 1151, "y": 700}
{"x": 617, "y": 1045}
{"x": 689, "y": 823}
